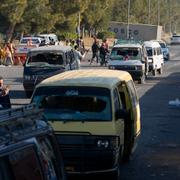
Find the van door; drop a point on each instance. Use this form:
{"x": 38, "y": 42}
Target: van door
{"x": 132, "y": 122}
{"x": 119, "y": 122}
{"x": 160, "y": 58}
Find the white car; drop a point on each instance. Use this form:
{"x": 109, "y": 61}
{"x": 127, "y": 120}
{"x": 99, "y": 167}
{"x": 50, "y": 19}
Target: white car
{"x": 129, "y": 56}
{"x": 175, "y": 39}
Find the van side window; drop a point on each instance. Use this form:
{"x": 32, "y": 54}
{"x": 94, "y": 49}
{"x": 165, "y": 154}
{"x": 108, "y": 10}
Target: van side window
{"x": 132, "y": 93}
{"x": 117, "y": 102}
{"x": 27, "y": 160}
{"x": 154, "y": 51}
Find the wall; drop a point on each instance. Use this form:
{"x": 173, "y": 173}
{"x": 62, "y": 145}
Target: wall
{"x": 137, "y": 31}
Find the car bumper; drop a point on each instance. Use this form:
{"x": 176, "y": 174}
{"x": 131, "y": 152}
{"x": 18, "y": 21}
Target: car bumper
{"x": 87, "y": 159}
{"x": 136, "y": 74}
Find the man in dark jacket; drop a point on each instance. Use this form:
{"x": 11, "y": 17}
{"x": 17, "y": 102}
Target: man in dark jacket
{"x": 95, "y": 51}
{"x": 4, "y": 95}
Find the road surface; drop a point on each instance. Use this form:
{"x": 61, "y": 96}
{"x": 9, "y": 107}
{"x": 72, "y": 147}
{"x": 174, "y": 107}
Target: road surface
{"x": 157, "y": 156}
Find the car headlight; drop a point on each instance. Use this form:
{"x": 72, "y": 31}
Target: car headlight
{"x": 102, "y": 143}
{"x": 26, "y": 77}
{"x": 111, "y": 67}
{"x": 108, "y": 142}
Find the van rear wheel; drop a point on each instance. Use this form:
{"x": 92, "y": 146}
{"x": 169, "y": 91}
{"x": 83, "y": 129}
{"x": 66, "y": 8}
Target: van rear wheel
{"x": 154, "y": 72}
{"x": 160, "y": 70}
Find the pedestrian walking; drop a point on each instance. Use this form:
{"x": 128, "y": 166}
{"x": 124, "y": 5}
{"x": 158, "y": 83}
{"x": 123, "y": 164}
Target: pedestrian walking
{"x": 95, "y": 51}
{"x": 78, "y": 56}
{"x": 103, "y": 52}
{"x": 8, "y": 59}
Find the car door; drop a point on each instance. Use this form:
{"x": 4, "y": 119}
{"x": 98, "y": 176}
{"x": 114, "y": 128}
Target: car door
{"x": 24, "y": 163}
{"x": 119, "y": 122}
{"x": 130, "y": 102}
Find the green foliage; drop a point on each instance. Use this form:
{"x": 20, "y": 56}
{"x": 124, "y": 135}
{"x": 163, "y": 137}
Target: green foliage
{"x": 66, "y": 35}
{"x": 105, "y": 35}
{"x": 44, "y": 16}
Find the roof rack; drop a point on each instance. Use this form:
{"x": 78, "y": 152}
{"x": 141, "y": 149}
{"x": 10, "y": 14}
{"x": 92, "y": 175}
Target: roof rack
{"x": 18, "y": 122}
{"x": 127, "y": 41}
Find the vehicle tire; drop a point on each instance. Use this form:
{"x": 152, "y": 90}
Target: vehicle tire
{"x": 28, "y": 94}
{"x": 154, "y": 72}
{"x": 160, "y": 70}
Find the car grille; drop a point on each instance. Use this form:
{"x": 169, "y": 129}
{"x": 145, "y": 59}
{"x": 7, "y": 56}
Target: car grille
{"x": 126, "y": 68}
{"x": 81, "y": 154}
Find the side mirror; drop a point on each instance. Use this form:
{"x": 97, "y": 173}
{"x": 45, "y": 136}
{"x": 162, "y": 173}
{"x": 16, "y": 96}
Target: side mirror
{"x": 121, "y": 114}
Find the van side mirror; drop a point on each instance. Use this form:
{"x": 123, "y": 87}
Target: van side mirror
{"x": 121, "y": 114}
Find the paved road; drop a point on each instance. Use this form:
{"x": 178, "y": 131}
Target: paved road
{"x": 157, "y": 156}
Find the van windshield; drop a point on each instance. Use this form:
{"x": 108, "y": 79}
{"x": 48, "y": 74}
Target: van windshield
{"x": 74, "y": 103}
{"x": 123, "y": 53}
{"x": 46, "y": 58}
{"x": 149, "y": 51}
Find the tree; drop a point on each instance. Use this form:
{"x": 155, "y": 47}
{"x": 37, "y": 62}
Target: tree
{"x": 12, "y": 10}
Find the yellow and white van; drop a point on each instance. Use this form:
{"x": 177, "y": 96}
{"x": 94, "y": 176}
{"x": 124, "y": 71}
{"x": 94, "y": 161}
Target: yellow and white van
{"x": 95, "y": 115}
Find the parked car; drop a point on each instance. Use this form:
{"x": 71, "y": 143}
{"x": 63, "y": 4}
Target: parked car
{"x": 24, "y": 46}
{"x": 28, "y": 147}
{"x": 164, "y": 48}
{"x": 46, "y": 61}
{"x": 129, "y": 56}
{"x": 49, "y": 38}
{"x": 155, "y": 57}
{"x": 175, "y": 39}
{"x": 95, "y": 115}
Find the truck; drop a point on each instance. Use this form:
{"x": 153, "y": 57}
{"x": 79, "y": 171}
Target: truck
{"x": 144, "y": 32}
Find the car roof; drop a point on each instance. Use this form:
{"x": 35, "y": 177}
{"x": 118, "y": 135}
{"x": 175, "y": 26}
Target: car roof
{"x": 151, "y": 44}
{"x": 31, "y": 38}
{"x": 89, "y": 77}
{"x": 128, "y": 45}
{"x": 52, "y": 48}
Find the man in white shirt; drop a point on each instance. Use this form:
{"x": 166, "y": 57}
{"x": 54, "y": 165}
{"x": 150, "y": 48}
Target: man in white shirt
{"x": 78, "y": 56}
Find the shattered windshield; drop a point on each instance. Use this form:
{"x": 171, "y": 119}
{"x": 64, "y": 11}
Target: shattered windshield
{"x": 126, "y": 53}
{"x": 46, "y": 58}
{"x": 74, "y": 103}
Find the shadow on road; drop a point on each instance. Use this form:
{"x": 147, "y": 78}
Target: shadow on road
{"x": 158, "y": 153}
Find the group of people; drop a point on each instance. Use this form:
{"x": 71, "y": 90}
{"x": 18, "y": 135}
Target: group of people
{"x": 79, "y": 49}
{"x": 7, "y": 54}
{"x": 99, "y": 51}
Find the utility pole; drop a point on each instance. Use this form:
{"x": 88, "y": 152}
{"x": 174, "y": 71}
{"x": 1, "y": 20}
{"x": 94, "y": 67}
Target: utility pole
{"x": 79, "y": 25}
{"x": 158, "y": 13}
{"x": 149, "y": 11}
{"x": 129, "y": 5}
